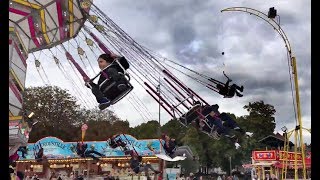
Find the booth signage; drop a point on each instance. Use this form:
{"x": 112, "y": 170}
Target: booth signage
{"x": 55, "y": 148}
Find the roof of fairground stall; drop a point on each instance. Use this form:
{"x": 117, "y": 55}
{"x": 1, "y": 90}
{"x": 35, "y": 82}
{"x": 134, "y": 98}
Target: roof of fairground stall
{"x": 275, "y": 140}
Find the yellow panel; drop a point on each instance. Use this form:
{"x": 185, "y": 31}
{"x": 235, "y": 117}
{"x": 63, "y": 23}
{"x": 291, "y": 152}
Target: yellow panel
{"x": 43, "y": 26}
{"x": 16, "y": 78}
{"x": 13, "y": 118}
{"x": 26, "y": 3}
{"x": 42, "y": 16}
{"x": 71, "y": 17}
{"x": 11, "y": 29}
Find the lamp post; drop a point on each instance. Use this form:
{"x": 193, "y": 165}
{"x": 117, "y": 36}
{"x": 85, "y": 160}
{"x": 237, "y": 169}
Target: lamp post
{"x": 162, "y": 162}
{"x": 285, "y": 149}
{"x": 158, "y": 90}
{"x": 230, "y": 165}
{"x": 276, "y": 26}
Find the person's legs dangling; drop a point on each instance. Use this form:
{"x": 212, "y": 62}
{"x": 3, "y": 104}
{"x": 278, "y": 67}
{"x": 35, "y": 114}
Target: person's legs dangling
{"x": 97, "y": 93}
{"x": 238, "y": 94}
{"x": 237, "y": 87}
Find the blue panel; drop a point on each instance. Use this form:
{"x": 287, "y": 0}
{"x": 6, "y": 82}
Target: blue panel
{"x": 55, "y": 148}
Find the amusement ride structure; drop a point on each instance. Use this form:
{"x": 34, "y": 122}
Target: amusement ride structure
{"x": 52, "y": 27}
{"x": 67, "y": 32}
{"x": 299, "y": 147}
{"x": 33, "y": 26}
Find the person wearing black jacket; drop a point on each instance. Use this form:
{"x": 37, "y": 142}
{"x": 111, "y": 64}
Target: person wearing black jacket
{"x": 170, "y": 147}
{"x": 137, "y": 166}
{"x": 109, "y": 72}
{"x": 229, "y": 91}
{"x": 82, "y": 151}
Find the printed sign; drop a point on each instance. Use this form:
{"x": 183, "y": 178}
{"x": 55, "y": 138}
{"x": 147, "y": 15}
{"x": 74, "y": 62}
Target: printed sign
{"x": 55, "y": 148}
{"x": 264, "y": 155}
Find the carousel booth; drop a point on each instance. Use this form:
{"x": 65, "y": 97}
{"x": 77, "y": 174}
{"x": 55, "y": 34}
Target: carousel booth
{"x": 63, "y": 159}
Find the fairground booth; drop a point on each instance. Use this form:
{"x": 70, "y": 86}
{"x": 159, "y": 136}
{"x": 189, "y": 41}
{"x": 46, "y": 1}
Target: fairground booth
{"x": 278, "y": 162}
{"x": 63, "y": 159}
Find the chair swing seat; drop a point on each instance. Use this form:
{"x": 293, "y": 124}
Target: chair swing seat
{"x": 190, "y": 116}
{"x": 195, "y": 115}
{"x": 112, "y": 92}
{"x": 110, "y": 88}
{"x": 211, "y": 131}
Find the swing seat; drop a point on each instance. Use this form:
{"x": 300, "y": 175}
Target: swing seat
{"x": 210, "y": 131}
{"x": 111, "y": 88}
{"x": 196, "y": 115}
{"x": 190, "y": 116}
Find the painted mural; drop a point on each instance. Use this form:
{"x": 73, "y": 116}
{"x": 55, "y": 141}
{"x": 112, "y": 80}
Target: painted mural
{"x": 55, "y": 148}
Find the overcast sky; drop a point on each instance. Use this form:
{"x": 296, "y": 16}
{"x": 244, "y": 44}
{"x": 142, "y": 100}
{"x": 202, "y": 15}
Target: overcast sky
{"x": 195, "y": 33}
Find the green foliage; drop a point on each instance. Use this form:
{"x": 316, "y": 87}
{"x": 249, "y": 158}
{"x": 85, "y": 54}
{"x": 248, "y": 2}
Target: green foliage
{"x": 147, "y": 130}
{"x": 56, "y": 111}
{"x": 260, "y": 120}
{"x": 260, "y": 109}
{"x": 189, "y": 165}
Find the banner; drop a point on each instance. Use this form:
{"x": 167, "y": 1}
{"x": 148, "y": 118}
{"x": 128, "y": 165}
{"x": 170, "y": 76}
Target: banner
{"x": 55, "y": 148}
{"x": 275, "y": 155}
{"x": 264, "y": 155}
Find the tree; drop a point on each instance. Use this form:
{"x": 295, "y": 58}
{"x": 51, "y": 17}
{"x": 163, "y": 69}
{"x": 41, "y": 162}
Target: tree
{"x": 97, "y": 115}
{"x": 258, "y": 108}
{"x": 260, "y": 120}
{"x": 102, "y": 125}
{"x": 55, "y": 110}
{"x": 147, "y": 130}
{"x": 174, "y": 129}
{"x": 120, "y": 126}
{"x": 59, "y": 115}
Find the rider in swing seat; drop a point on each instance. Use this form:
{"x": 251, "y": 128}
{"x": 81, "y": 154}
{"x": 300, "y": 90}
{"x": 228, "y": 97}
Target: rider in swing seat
{"x": 111, "y": 72}
{"x": 229, "y": 91}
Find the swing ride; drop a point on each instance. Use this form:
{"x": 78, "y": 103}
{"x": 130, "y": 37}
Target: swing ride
{"x": 270, "y": 18}
{"x": 34, "y": 26}
{"x": 52, "y": 27}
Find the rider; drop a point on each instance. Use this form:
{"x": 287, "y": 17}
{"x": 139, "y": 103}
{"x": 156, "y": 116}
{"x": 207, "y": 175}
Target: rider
{"x": 137, "y": 166}
{"x": 136, "y": 159}
{"x": 39, "y": 155}
{"x": 114, "y": 143}
{"x": 23, "y": 150}
{"x": 83, "y": 152}
{"x": 112, "y": 72}
{"x": 170, "y": 147}
{"x": 214, "y": 117}
{"x": 229, "y": 92}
